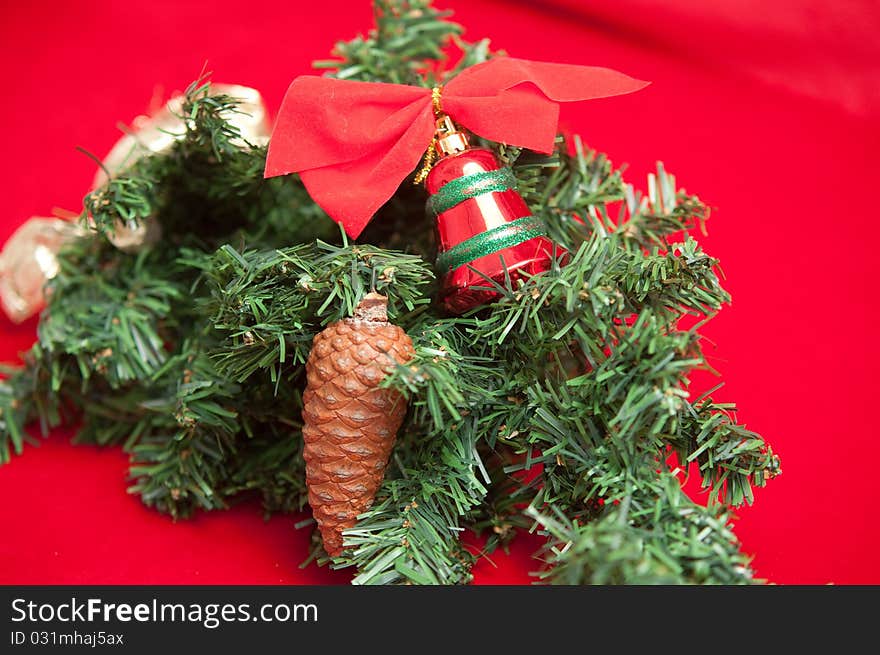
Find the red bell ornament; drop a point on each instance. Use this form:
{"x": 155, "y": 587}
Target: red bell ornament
{"x": 485, "y": 230}
{"x": 353, "y": 143}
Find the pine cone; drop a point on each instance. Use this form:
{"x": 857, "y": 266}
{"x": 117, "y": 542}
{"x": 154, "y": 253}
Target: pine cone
{"x": 349, "y": 425}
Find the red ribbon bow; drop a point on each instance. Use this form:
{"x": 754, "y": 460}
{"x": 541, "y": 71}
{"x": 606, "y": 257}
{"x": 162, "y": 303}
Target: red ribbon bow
{"x": 353, "y": 143}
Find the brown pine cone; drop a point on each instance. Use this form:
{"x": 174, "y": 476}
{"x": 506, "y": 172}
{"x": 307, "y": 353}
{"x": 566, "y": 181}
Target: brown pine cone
{"x": 349, "y": 425}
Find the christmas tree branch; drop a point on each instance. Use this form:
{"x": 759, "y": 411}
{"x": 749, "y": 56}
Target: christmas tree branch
{"x": 651, "y": 535}
{"x": 271, "y": 303}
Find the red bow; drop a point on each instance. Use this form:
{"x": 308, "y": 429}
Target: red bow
{"x": 353, "y": 143}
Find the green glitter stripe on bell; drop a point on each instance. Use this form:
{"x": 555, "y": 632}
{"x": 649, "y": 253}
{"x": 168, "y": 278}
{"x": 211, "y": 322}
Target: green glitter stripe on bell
{"x": 470, "y": 186}
{"x": 494, "y": 240}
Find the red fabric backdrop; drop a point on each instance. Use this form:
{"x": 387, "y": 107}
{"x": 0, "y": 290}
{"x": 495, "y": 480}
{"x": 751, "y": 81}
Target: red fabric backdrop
{"x": 768, "y": 110}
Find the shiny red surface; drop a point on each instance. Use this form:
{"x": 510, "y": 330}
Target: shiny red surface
{"x": 477, "y": 215}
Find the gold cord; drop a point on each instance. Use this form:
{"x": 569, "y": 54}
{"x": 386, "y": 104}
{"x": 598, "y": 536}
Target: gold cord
{"x": 431, "y": 153}
{"x": 427, "y": 163}
{"x": 435, "y": 100}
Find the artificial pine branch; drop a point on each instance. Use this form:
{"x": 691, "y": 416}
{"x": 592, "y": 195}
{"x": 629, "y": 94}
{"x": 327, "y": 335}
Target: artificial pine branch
{"x": 404, "y": 47}
{"x": 564, "y": 406}
{"x": 651, "y": 535}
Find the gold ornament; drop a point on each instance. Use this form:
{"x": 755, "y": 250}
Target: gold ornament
{"x": 156, "y": 133}
{"x": 131, "y": 236}
{"x": 29, "y": 260}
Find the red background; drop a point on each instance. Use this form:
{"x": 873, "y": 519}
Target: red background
{"x": 769, "y": 111}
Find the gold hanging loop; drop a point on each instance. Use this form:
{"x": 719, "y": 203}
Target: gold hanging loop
{"x": 431, "y": 153}
{"x": 427, "y": 163}
{"x": 436, "y": 92}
